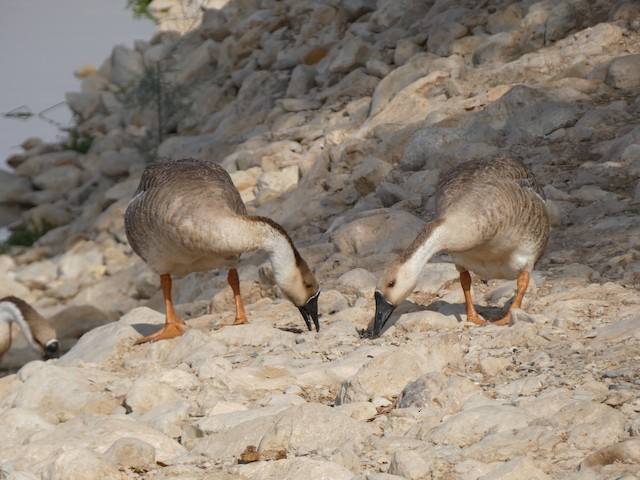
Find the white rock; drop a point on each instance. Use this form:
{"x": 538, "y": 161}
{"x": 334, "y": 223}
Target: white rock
{"x": 623, "y": 72}
{"x": 406, "y": 48}
{"x": 311, "y": 428}
{"x": 293, "y": 469}
{"x": 147, "y": 393}
{"x": 102, "y": 343}
{"x": 520, "y": 467}
{"x": 523, "y": 386}
{"x": 589, "y": 424}
{"x": 58, "y": 393}
{"x": 424, "y": 321}
{"x": 126, "y": 66}
{"x": 73, "y": 265}
{"x": 332, "y": 301}
{"x": 168, "y": 417}
{"x": 37, "y": 274}
{"x": 385, "y": 232}
{"x": 85, "y": 104}
{"x": 82, "y": 462}
{"x": 410, "y": 464}
{"x": 359, "y": 411}
{"x": 46, "y": 216}
{"x": 385, "y": 375}
{"x": 358, "y": 279}
{"x": 118, "y": 164}
{"x": 195, "y": 62}
{"x": 38, "y": 164}
{"x": 214, "y": 24}
{"x": 368, "y": 174}
{"x": 435, "y": 391}
{"x": 272, "y": 184}
{"x": 222, "y": 422}
{"x": 469, "y": 426}
{"x": 132, "y": 453}
{"x": 302, "y": 80}
{"x": 12, "y": 188}
{"x": 352, "y": 54}
{"x": 18, "y": 423}
{"x": 99, "y": 432}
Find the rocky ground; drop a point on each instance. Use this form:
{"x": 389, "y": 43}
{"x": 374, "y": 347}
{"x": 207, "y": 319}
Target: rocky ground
{"x": 335, "y": 119}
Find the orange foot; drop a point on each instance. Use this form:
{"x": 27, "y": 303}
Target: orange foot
{"x": 170, "y": 330}
{"x": 238, "y": 321}
{"x": 503, "y": 321}
{"x": 476, "y": 319}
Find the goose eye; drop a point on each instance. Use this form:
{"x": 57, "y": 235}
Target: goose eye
{"x": 391, "y": 284}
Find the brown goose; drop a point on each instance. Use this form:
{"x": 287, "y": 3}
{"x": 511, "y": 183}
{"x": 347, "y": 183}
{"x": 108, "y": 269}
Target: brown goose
{"x": 187, "y": 216}
{"x": 38, "y": 332}
{"x": 491, "y": 218}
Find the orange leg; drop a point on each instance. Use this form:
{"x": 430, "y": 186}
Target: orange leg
{"x": 173, "y": 326}
{"x": 234, "y": 282}
{"x": 522, "y": 284}
{"x": 472, "y": 315}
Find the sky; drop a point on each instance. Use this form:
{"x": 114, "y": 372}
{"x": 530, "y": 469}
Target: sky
{"x": 41, "y": 43}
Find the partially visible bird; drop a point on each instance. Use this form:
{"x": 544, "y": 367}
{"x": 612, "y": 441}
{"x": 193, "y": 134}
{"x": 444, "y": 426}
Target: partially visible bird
{"x": 38, "y": 332}
{"x": 187, "y": 216}
{"x": 491, "y": 218}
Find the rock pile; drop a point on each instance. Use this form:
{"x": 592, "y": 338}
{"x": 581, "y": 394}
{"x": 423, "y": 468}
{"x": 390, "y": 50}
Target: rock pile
{"x": 335, "y": 119}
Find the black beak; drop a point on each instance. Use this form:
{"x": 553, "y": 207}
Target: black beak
{"x": 51, "y": 350}
{"x": 383, "y": 312}
{"x": 309, "y": 311}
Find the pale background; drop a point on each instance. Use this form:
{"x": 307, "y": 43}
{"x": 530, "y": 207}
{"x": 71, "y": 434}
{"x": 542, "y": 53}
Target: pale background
{"x": 41, "y": 43}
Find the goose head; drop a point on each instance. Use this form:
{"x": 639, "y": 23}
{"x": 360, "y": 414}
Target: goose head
{"x": 397, "y": 282}
{"x": 301, "y": 288}
{"x": 51, "y": 349}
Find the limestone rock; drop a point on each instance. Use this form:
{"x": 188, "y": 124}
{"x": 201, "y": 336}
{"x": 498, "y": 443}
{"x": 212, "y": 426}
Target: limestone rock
{"x": 126, "y": 66}
{"x": 132, "y": 453}
{"x": 469, "y": 426}
{"x": 12, "y": 189}
{"x": 375, "y": 377}
{"x": 290, "y": 469}
{"x": 67, "y": 393}
{"x": 85, "y": 463}
{"x": 364, "y": 236}
{"x": 624, "y": 72}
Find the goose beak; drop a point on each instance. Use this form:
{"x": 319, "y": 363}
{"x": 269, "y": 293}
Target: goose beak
{"x": 309, "y": 312}
{"x": 383, "y": 311}
{"x": 51, "y": 350}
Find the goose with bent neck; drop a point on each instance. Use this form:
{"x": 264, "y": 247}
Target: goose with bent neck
{"x": 491, "y": 218}
{"x": 38, "y": 332}
{"x": 187, "y": 216}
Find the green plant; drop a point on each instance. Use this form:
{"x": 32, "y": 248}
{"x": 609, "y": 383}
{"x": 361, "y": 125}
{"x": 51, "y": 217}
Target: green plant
{"x": 140, "y": 9}
{"x": 25, "y": 236}
{"x": 161, "y": 100}
{"x": 78, "y": 141}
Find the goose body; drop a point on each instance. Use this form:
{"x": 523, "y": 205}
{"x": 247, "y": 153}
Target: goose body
{"x": 187, "y": 216}
{"x": 38, "y": 332}
{"x": 490, "y": 217}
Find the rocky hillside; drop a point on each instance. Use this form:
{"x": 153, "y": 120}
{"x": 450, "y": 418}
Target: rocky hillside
{"x": 335, "y": 119}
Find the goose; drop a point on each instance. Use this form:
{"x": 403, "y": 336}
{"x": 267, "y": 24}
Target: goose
{"x": 491, "y": 218}
{"x": 187, "y": 216}
{"x": 38, "y": 332}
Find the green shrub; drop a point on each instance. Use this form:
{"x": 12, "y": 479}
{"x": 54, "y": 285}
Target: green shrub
{"x": 140, "y": 8}
{"x": 24, "y": 236}
{"x": 78, "y": 141}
